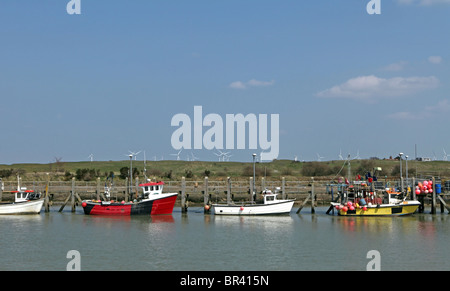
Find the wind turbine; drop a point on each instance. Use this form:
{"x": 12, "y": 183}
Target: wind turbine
{"x": 319, "y": 158}
{"x": 445, "y": 155}
{"x": 91, "y": 156}
{"x": 227, "y": 156}
{"x": 134, "y": 154}
{"x": 221, "y": 155}
{"x": 357, "y": 155}
{"x": 177, "y": 154}
{"x": 194, "y": 158}
{"x": 340, "y": 155}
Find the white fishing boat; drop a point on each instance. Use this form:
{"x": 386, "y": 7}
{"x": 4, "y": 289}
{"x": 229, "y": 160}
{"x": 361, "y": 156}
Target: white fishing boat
{"x": 25, "y": 202}
{"x": 268, "y": 205}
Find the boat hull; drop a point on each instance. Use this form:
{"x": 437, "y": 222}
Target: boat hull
{"x": 405, "y": 208}
{"x": 158, "y": 206}
{"x": 281, "y": 207}
{"x": 28, "y": 207}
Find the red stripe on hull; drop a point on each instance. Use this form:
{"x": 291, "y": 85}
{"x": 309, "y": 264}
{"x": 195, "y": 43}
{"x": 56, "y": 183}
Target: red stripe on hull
{"x": 123, "y": 210}
{"x": 148, "y": 207}
{"x": 164, "y": 206}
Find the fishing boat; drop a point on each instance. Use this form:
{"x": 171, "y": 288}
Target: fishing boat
{"x": 368, "y": 203}
{"x": 25, "y": 202}
{"x": 268, "y": 204}
{"x": 152, "y": 201}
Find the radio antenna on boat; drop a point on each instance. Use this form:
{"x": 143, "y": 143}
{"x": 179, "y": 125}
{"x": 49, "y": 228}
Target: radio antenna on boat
{"x": 145, "y": 167}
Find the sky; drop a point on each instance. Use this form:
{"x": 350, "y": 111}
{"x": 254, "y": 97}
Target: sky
{"x": 110, "y": 80}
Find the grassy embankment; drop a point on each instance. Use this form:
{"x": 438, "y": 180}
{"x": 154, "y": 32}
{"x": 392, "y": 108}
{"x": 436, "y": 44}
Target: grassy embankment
{"x": 195, "y": 170}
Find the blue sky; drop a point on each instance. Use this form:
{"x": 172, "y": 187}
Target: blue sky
{"x": 110, "y": 79}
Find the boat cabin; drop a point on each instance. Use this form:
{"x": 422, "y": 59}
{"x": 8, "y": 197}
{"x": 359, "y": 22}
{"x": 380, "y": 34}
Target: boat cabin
{"x": 269, "y": 196}
{"x": 392, "y": 197}
{"x": 24, "y": 195}
{"x": 151, "y": 188}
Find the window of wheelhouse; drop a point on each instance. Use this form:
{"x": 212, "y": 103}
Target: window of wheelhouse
{"x": 270, "y": 198}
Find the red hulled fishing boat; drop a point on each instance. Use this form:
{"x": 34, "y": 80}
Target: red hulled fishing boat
{"x": 151, "y": 202}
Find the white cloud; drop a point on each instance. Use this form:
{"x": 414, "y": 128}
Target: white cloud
{"x": 251, "y": 83}
{"x": 442, "y": 107}
{"x": 395, "y": 67}
{"x": 237, "y": 85}
{"x": 369, "y": 87}
{"x": 435, "y": 59}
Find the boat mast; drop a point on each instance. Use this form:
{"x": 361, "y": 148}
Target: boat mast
{"x": 18, "y": 182}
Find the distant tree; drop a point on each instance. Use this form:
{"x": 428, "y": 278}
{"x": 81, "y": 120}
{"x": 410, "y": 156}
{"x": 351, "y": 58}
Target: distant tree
{"x": 188, "y": 174}
{"x": 125, "y": 173}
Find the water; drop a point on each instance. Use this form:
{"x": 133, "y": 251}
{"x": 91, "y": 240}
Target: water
{"x": 197, "y": 242}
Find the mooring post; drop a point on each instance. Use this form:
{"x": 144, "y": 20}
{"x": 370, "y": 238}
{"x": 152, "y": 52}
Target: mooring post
{"x": 313, "y": 197}
{"x": 309, "y": 196}
{"x": 1, "y": 189}
{"x": 72, "y": 195}
{"x": 183, "y": 195}
{"x": 98, "y": 188}
{"x": 46, "y": 199}
{"x": 228, "y": 190}
{"x": 136, "y": 188}
{"x": 433, "y": 197}
{"x": 413, "y": 189}
{"x": 127, "y": 190}
{"x": 283, "y": 187}
{"x": 252, "y": 189}
{"x": 206, "y": 197}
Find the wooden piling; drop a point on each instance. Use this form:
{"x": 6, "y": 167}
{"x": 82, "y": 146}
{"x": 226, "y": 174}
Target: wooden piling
{"x": 46, "y": 198}
{"x": 136, "y": 188}
{"x": 252, "y": 189}
{"x": 98, "y": 188}
{"x": 443, "y": 204}
{"x": 206, "y": 197}
{"x": 228, "y": 190}
{"x": 311, "y": 196}
{"x": 433, "y": 198}
{"x": 183, "y": 195}
{"x": 127, "y": 190}
{"x": 1, "y": 189}
{"x": 283, "y": 187}
{"x": 72, "y": 196}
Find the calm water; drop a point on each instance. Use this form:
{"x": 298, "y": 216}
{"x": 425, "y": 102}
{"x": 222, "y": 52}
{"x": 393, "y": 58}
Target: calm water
{"x": 196, "y": 242}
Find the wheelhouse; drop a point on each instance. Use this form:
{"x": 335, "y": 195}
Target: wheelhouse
{"x": 151, "y": 188}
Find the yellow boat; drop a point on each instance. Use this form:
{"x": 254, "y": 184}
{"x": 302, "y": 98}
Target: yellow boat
{"x": 369, "y": 204}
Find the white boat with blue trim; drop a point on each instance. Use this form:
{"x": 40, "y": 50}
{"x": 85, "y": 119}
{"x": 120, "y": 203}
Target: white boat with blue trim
{"x": 268, "y": 205}
{"x": 25, "y": 202}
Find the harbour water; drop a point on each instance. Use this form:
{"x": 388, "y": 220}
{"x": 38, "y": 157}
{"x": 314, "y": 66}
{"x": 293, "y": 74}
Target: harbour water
{"x": 197, "y": 242}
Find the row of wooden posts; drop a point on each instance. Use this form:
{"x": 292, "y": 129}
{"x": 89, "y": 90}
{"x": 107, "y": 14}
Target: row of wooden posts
{"x": 252, "y": 189}
{"x": 237, "y": 192}
{"x": 309, "y": 198}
